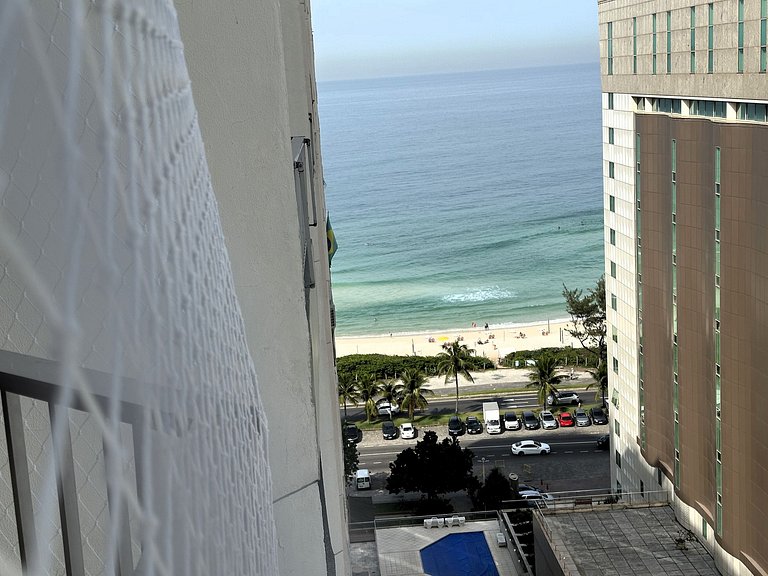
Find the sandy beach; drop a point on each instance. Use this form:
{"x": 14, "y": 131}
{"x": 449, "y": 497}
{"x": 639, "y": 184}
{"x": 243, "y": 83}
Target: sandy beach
{"x": 495, "y": 342}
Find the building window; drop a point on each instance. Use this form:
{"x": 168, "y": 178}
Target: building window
{"x": 610, "y": 100}
{"x": 710, "y": 39}
{"x": 642, "y": 489}
{"x": 669, "y": 41}
{"x": 613, "y": 269}
{"x": 618, "y": 459}
{"x": 614, "y": 334}
{"x": 612, "y": 236}
{"x": 634, "y": 45}
{"x": 614, "y": 301}
{"x": 653, "y": 60}
{"x": 611, "y": 135}
{"x": 616, "y": 365}
{"x": 617, "y": 428}
{"x": 740, "y": 61}
{"x": 612, "y": 203}
{"x": 693, "y": 39}
{"x": 611, "y": 170}
{"x": 763, "y": 34}
{"x": 610, "y": 48}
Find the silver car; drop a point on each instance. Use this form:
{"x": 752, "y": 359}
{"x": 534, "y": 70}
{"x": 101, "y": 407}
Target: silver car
{"x": 581, "y": 417}
{"x": 548, "y": 420}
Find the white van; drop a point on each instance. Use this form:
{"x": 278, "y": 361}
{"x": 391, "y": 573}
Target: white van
{"x": 363, "y": 479}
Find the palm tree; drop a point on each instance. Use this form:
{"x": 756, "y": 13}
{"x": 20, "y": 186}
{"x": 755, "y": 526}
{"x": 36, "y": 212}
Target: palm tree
{"x": 369, "y": 390}
{"x": 412, "y": 392}
{"x": 600, "y": 374}
{"x": 388, "y": 391}
{"x": 543, "y": 377}
{"x": 348, "y": 392}
{"x": 454, "y": 362}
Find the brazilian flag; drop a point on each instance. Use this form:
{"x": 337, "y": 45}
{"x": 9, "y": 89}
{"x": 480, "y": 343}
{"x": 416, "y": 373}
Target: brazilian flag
{"x": 332, "y": 245}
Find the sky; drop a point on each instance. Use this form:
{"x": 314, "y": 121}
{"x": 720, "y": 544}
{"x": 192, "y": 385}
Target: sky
{"x": 375, "y": 38}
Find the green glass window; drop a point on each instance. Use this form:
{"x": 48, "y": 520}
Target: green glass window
{"x": 669, "y": 41}
{"x": 613, "y": 237}
{"x": 693, "y": 39}
{"x": 611, "y": 170}
{"x": 610, "y": 136}
{"x": 612, "y": 203}
{"x": 653, "y": 40}
{"x": 610, "y": 100}
{"x": 710, "y": 39}
{"x": 614, "y": 334}
{"x": 634, "y": 45}
{"x": 613, "y": 269}
{"x": 740, "y": 61}
{"x": 614, "y": 301}
{"x": 610, "y": 48}
{"x": 763, "y": 34}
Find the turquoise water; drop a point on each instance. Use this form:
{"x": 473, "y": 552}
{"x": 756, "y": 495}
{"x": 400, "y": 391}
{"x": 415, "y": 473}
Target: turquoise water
{"x": 462, "y": 198}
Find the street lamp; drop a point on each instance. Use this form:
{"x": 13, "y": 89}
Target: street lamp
{"x": 483, "y": 460}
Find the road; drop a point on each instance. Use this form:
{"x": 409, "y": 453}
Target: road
{"x": 507, "y": 402}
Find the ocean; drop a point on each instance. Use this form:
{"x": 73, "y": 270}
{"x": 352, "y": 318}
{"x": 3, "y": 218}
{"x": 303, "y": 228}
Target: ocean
{"x": 460, "y": 198}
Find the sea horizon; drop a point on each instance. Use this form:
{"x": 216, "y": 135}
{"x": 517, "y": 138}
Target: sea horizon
{"x": 462, "y": 197}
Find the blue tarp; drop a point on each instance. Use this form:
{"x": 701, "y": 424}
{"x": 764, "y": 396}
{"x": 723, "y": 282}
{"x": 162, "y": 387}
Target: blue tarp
{"x": 464, "y": 554}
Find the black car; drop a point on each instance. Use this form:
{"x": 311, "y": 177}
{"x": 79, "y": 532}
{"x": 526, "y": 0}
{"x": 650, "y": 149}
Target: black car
{"x": 389, "y": 430}
{"x": 604, "y": 442}
{"x": 352, "y": 434}
{"x": 598, "y": 416}
{"x": 455, "y": 426}
{"x": 473, "y": 425}
{"x": 530, "y": 421}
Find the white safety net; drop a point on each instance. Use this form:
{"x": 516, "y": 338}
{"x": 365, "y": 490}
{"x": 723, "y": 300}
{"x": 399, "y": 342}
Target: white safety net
{"x": 135, "y": 443}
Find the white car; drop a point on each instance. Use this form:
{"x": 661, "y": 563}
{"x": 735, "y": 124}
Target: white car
{"x": 548, "y": 420}
{"x": 535, "y": 495}
{"x": 530, "y": 447}
{"x": 407, "y": 431}
{"x": 385, "y": 408}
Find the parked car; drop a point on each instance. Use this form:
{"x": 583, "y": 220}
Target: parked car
{"x": 526, "y": 487}
{"x": 565, "y": 419}
{"x": 455, "y": 426}
{"x": 530, "y": 421}
{"x": 473, "y": 425}
{"x": 510, "y": 421}
{"x": 387, "y": 408}
{"x": 598, "y": 416}
{"x": 581, "y": 418}
{"x": 604, "y": 442}
{"x": 389, "y": 430}
{"x": 530, "y": 447}
{"x": 535, "y": 495}
{"x": 563, "y": 398}
{"x": 407, "y": 431}
{"x": 548, "y": 421}
{"x": 352, "y": 434}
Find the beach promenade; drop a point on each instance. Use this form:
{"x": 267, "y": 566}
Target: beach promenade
{"x": 495, "y": 342}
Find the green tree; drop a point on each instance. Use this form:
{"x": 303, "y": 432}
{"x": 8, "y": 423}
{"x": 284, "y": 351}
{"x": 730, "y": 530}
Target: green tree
{"x": 543, "y": 377}
{"x": 493, "y": 491}
{"x": 455, "y": 361}
{"x": 588, "y": 317}
{"x": 348, "y": 392}
{"x": 412, "y": 392}
{"x": 600, "y": 374}
{"x": 351, "y": 459}
{"x": 369, "y": 391}
{"x": 432, "y": 468}
{"x": 388, "y": 390}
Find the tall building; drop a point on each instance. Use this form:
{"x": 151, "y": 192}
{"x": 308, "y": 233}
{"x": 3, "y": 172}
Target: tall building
{"x": 167, "y": 376}
{"x": 685, "y": 136}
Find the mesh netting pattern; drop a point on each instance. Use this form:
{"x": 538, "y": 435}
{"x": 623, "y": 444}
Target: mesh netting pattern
{"x": 113, "y": 270}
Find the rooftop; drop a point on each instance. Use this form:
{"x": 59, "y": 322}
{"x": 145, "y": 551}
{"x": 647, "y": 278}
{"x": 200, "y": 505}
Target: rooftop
{"x": 626, "y": 541}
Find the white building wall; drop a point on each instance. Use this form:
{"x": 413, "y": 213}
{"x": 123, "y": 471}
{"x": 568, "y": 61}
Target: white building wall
{"x": 252, "y": 76}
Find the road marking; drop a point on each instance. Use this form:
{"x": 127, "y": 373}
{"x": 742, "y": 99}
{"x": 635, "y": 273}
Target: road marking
{"x": 568, "y": 452}
{"x": 378, "y": 462}
{"x": 585, "y": 451}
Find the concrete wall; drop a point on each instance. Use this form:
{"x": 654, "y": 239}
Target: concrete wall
{"x": 252, "y": 76}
